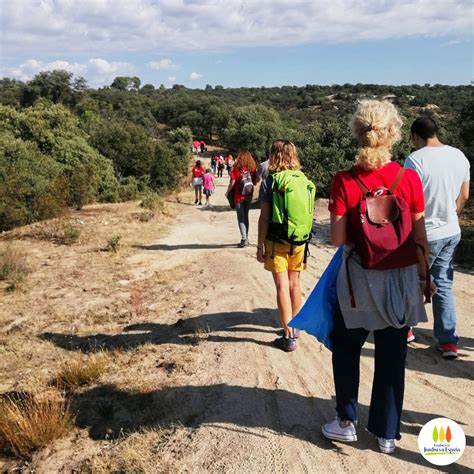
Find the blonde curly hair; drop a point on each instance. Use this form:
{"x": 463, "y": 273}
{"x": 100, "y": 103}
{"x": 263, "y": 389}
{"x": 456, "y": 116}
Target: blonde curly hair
{"x": 376, "y": 125}
{"x": 283, "y": 156}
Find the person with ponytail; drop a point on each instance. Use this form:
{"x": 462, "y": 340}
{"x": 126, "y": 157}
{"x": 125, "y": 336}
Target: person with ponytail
{"x": 385, "y": 301}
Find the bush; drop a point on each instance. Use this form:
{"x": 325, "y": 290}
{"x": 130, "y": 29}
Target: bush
{"x": 113, "y": 244}
{"x": 70, "y": 234}
{"x": 153, "y": 203}
{"x": 28, "y": 422}
{"x": 128, "y": 189}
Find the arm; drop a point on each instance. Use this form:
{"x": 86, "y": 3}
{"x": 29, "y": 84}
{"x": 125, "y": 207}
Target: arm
{"x": 462, "y": 198}
{"x": 419, "y": 234}
{"x": 231, "y": 185}
{"x": 263, "y": 221}
{"x": 338, "y": 230}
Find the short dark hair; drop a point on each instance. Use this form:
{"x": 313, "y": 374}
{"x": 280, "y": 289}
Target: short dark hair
{"x": 424, "y": 127}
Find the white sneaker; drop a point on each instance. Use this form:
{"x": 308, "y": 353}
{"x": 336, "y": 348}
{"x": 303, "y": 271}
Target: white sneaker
{"x": 334, "y": 430}
{"x": 387, "y": 446}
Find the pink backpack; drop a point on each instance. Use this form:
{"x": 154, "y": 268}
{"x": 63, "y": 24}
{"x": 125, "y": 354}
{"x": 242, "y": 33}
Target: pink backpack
{"x": 381, "y": 229}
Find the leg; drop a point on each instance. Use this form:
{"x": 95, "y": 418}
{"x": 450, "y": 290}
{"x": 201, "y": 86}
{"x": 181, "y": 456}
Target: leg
{"x": 441, "y": 267}
{"x": 389, "y": 382}
{"x": 200, "y": 194}
{"x": 295, "y": 294}
{"x": 195, "y": 194}
{"x": 246, "y": 221}
{"x": 239, "y": 207}
{"x": 347, "y": 344}
{"x": 295, "y": 291}
{"x": 283, "y": 300}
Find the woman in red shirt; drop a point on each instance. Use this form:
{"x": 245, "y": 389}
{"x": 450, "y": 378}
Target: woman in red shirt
{"x": 388, "y": 301}
{"x": 244, "y": 167}
{"x": 198, "y": 173}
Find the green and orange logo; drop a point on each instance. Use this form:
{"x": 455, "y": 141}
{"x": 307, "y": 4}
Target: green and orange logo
{"x": 441, "y": 441}
{"x": 442, "y": 435}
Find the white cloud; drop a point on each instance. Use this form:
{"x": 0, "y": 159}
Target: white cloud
{"x": 30, "y": 68}
{"x": 163, "y": 65}
{"x": 172, "y": 79}
{"x": 194, "y": 76}
{"x": 68, "y": 26}
{"x": 98, "y": 71}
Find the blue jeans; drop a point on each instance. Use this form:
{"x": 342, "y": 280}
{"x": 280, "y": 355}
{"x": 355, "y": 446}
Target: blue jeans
{"x": 389, "y": 377}
{"x": 243, "y": 209}
{"x": 442, "y": 253}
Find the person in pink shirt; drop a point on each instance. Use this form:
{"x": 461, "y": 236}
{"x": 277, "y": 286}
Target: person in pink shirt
{"x": 208, "y": 180}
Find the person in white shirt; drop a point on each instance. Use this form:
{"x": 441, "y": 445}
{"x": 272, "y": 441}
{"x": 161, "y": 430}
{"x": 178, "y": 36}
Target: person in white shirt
{"x": 445, "y": 175}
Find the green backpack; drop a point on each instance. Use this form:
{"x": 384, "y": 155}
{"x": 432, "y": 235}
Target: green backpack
{"x": 293, "y": 207}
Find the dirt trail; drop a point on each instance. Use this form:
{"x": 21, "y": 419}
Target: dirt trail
{"x": 260, "y": 409}
{"x": 246, "y": 406}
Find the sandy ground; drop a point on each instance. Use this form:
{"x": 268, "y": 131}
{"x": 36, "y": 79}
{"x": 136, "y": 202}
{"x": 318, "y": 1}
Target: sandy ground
{"x": 237, "y": 404}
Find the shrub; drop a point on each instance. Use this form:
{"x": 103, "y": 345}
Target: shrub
{"x": 79, "y": 373}
{"x": 113, "y": 244}
{"x": 152, "y": 202}
{"x": 28, "y": 423}
{"x": 70, "y": 234}
{"x": 128, "y": 189}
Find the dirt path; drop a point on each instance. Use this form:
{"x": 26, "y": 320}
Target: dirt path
{"x": 242, "y": 405}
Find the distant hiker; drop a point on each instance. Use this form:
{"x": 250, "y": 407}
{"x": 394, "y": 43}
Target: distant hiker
{"x": 242, "y": 180}
{"x": 202, "y": 146}
{"x": 214, "y": 164}
{"x": 220, "y": 166}
{"x": 208, "y": 182}
{"x": 444, "y": 173}
{"x": 196, "y": 144}
{"x": 262, "y": 170}
{"x": 229, "y": 162}
{"x": 378, "y": 285}
{"x": 284, "y": 229}
{"x": 198, "y": 173}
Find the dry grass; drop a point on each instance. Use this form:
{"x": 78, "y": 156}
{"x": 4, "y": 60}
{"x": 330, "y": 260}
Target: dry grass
{"x": 79, "y": 373}
{"x": 143, "y": 452}
{"x": 13, "y": 267}
{"x": 29, "y": 422}
{"x": 12, "y": 263}
{"x": 136, "y": 300}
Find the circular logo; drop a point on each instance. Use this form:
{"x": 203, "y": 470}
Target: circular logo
{"x": 441, "y": 441}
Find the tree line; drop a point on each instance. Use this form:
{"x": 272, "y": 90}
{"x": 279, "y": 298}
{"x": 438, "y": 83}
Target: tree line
{"x": 128, "y": 139}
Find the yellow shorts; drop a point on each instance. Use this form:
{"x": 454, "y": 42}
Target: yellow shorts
{"x": 282, "y": 261}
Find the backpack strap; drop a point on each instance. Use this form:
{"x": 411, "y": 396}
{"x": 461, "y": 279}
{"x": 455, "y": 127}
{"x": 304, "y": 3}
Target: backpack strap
{"x": 359, "y": 182}
{"x": 397, "y": 180}
{"x": 349, "y": 280}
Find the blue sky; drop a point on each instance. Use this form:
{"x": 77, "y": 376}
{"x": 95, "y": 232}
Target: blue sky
{"x": 241, "y": 42}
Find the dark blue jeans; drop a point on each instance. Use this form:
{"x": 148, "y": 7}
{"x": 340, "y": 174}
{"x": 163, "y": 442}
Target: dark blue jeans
{"x": 389, "y": 377}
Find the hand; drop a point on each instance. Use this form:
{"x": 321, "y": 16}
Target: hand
{"x": 261, "y": 254}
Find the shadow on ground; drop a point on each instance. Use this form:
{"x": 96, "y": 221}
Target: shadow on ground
{"x": 429, "y": 360}
{"x": 184, "y": 246}
{"x": 107, "y": 411}
{"x": 183, "y": 331}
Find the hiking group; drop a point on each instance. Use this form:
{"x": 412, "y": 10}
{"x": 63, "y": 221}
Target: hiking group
{"x": 398, "y": 228}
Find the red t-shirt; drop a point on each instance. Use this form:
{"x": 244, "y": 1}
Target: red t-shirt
{"x": 236, "y": 175}
{"x": 198, "y": 172}
{"x": 346, "y": 194}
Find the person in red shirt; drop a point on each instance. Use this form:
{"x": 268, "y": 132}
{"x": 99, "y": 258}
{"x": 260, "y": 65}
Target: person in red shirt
{"x": 388, "y": 301}
{"x": 243, "y": 164}
{"x": 197, "y": 182}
